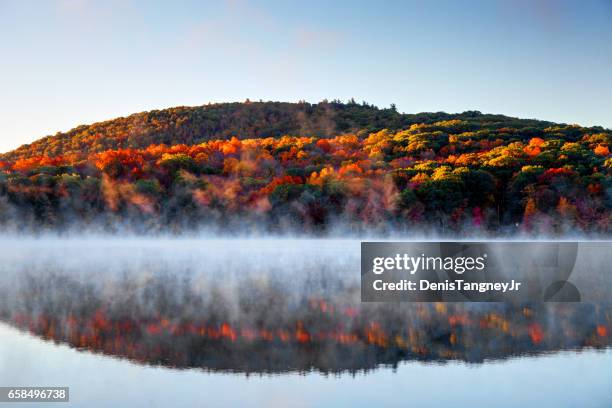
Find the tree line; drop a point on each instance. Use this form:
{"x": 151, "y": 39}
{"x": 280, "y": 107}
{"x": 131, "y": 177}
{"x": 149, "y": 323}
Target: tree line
{"x": 312, "y": 168}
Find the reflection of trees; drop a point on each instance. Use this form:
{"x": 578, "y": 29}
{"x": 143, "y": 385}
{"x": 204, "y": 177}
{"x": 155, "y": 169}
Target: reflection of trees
{"x": 163, "y": 320}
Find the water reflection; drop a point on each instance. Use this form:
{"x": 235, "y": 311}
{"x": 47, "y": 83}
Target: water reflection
{"x": 168, "y": 320}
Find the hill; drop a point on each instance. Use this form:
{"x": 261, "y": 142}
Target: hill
{"x": 279, "y": 166}
{"x": 194, "y": 125}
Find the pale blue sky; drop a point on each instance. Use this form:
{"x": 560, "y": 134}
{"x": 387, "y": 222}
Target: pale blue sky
{"x": 71, "y": 62}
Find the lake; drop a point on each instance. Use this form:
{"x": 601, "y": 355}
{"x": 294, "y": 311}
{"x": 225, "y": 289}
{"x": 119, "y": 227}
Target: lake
{"x": 276, "y": 322}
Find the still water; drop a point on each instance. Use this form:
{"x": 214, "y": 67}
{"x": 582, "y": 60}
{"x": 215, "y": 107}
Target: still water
{"x": 276, "y": 323}
{"x": 566, "y": 379}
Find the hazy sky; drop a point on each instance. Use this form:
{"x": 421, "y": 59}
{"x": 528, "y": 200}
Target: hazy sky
{"x": 65, "y": 63}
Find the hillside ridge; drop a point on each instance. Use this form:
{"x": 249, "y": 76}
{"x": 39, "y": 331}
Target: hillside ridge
{"x": 244, "y": 120}
{"x": 278, "y": 167}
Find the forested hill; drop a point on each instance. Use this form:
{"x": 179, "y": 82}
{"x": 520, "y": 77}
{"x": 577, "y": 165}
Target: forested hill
{"x": 248, "y": 120}
{"x": 310, "y": 168}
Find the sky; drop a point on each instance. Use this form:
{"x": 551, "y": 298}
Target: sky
{"x": 72, "y": 62}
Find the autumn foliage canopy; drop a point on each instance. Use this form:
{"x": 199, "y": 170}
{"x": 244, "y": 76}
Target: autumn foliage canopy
{"x": 313, "y": 167}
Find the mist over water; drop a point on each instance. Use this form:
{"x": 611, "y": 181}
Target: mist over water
{"x": 272, "y": 305}
{"x": 226, "y": 263}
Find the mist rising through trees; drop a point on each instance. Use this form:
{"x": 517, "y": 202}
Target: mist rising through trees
{"x": 281, "y": 166}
